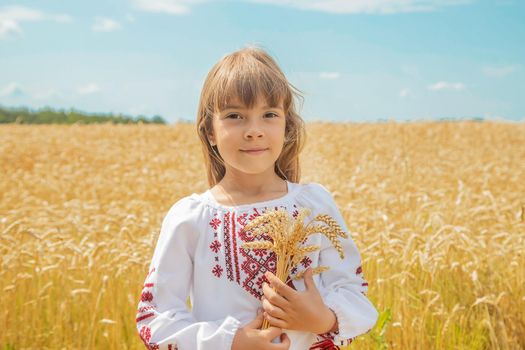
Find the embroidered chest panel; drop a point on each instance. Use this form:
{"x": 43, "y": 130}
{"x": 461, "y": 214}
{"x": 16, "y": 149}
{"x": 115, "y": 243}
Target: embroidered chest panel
{"x": 243, "y": 266}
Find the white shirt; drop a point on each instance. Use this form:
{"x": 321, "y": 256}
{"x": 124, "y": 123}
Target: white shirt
{"x": 199, "y": 253}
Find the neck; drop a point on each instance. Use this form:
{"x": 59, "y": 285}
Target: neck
{"x": 252, "y": 185}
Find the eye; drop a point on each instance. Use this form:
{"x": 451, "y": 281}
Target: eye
{"x": 274, "y": 114}
{"x": 231, "y": 115}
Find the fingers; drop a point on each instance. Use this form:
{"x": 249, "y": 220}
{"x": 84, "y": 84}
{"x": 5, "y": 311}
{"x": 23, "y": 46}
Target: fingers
{"x": 273, "y": 297}
{"x": 274, "y": 321}
{"x": 309, "y": 279}
{"x": 285, "y": 341}
{"x": 273, "y": 310}
{"x": 271, "y": 333}
{"x": 279, "y": 286}
{"x": 256, "y": 323}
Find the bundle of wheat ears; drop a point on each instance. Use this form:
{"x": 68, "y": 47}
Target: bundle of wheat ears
{"x": 287, "y": 236}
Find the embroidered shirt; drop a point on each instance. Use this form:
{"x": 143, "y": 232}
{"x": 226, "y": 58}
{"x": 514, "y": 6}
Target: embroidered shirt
{"x": 199, "y": 254}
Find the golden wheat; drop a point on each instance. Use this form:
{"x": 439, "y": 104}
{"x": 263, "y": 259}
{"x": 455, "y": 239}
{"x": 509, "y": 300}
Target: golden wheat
{"x": 315, "y": 271}
{"x": 440, "y": 240}
{"x": 286, "y": 235}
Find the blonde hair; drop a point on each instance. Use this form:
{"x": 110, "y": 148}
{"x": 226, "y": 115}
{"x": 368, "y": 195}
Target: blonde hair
{"x": 245, "y": 74}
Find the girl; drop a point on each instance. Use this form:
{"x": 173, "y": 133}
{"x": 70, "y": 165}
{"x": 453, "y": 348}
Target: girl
{"x": 251, "y": 137}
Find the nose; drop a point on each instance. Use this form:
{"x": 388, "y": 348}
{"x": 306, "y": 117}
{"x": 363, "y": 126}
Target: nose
{"x": 253, "y": 130}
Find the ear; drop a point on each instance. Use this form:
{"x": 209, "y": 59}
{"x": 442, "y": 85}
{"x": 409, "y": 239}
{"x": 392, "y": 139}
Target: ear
{"x": 211, "y": 139}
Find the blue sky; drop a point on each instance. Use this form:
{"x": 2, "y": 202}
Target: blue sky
{"x": 355, "y": 60}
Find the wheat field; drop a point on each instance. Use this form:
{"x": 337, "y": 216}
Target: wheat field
{"x": 437, "y": 210}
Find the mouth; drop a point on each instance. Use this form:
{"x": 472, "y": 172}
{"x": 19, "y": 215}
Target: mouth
{"x": 254, "y": 151}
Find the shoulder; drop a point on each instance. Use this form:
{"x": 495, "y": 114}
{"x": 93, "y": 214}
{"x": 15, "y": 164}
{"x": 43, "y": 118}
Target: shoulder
{"x": 315, "y": 189}
{"x": 187, "y": 211}
{"x": 184, "y": 205}
{"x": 180, "y": 226}
{"x": 315, "y": 195}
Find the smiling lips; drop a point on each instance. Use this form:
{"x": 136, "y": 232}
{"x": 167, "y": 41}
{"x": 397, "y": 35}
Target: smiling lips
{"x": 254, "y": 150}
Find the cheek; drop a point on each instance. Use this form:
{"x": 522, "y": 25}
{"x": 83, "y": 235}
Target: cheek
{"x": 225, "y": 140}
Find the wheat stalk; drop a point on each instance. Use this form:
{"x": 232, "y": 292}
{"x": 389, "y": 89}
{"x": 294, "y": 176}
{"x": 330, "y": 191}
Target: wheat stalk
{"x": 287, "y": 236}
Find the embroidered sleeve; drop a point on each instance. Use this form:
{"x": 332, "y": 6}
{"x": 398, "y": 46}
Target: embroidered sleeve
{"x": 344, "y": 287}
{"x": 163, "y": 320}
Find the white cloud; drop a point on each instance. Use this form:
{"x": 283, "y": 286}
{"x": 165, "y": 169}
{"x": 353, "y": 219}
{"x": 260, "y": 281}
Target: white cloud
{"x": 20, "y": 13}
{"x": 443, "y": 85}
{"x": 329, "y": 75}
{"x": 103, "y": 24}
{"x": 174, "y": 7}
{"x": 405, "y": 93}
{"x": 499, "y": 71}
{"x": 366, "y": 6}
{"x": 11, "y": 16}
{"x": 9, "y": 29}
{"x": 12, "y": 90}
{"x": 88, "y": 89}
{"x": 180, "y": 7}
{"x": 130, "y": 17}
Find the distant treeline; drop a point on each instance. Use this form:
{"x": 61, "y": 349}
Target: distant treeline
{"x": 50, "y": 116}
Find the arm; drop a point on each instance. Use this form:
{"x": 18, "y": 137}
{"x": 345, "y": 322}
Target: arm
{"x": 163, "y": 320}
{"x": 344, "y": 288}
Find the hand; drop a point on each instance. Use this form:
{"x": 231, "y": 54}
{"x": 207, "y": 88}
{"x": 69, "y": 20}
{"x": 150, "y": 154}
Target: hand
{"x": 251, "y": 337}
{"x": 287, "y": 308}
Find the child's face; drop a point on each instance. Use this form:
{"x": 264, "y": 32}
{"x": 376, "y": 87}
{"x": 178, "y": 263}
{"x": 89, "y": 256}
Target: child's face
{"x": 237, "y": 129}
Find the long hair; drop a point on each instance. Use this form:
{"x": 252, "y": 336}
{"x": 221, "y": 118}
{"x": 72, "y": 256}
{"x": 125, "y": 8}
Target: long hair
{"x": 245, "y": 74}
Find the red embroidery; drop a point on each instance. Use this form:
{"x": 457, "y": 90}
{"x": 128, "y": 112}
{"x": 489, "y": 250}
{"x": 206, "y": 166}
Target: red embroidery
{"x": 359, "y": 271}
{"x": 215, "y": 223}
{"x": 244, "y": 266}
{"x": 146, "y": 311}
{"x": 149, "y": 273}
{"x": 327, "y": 341}
{"x": 145, "y": 335}
{"x": 215, "y": 246}
{"x": 235, "y": 256}
{"x": 256, "y": 262}
{"x": 254, "y": 267}
{"x": 262, "y": 280}
{"x": 260, "y": 252}
{"x": 326, "y": 344}
{"x": 227, "y": 246}
{"x": 295, "y": 212}
{"x": 145, "y": 308}
{"x": 253, "y": 216}
{"x": 146, "y": 296}
{"x": 306, "y": 262}
{"x": 241, "y": 219}
{"x": 143, "y": 317}
{"x": 246, "y": 236}
{"x": 217, "y": 270}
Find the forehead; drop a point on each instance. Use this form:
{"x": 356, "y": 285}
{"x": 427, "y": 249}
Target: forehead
{"x": 261, "y": 102}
